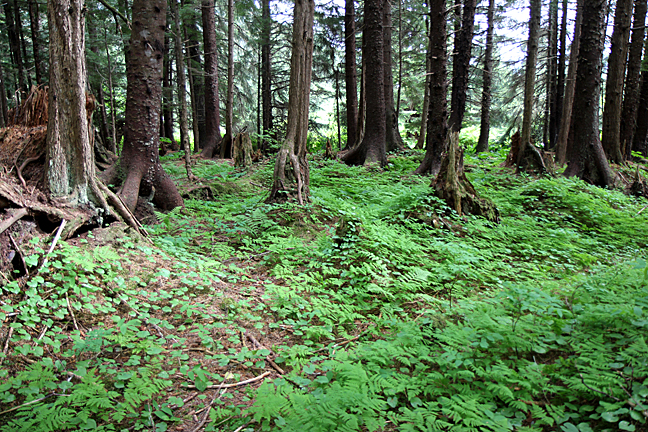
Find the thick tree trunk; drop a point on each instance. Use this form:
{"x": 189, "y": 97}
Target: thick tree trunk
{"x": 350, "y": 73}
{"x": 528, "y": 155}
{"x": 614, "y": 85}
{"x": 393, "y": 138}
{"x": 70, "y": 168}
{"x": 140, "y": 159}
{"x": 14, "y": 44}
{"x": 570, "y": 88}
{"x": 372, "y": 147}
{"x": 34, "y": 20}
{"x": 484, "y": 128}
{"x": 182, "y": 88}
{"x": 633, "y": 75}
{"x": 291, "y": 160}
{"x": 437, "y": 124}
{"x": 212, "y": 102}
{"x": 586, "y": 158}
{"x": 461, "y": 66}
{"x": 226, "y": 145}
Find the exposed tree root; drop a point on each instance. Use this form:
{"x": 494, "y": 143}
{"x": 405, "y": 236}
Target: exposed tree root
{"x": 455, "y": 189}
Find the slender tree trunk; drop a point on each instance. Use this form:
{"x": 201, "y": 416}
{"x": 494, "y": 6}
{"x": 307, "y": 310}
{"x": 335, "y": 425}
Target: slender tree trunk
{"x": 614, "y": 85}
{"x": 182, "y": 87}
{"x": 633, "y": 78}
{"x": 23, "y": 43}
{"x": 193, "y": 94}
{"x": 34, "y": 20}
{"x": 167, "y": 92}
{"x": 362, "y": 103}
{"x": 586, "y": 158}
{"x": 437, "y": 124}
{"x": 350, "y": 73}
{"x": 560, "y": 85}
{"x": 14, "y": 44}
{"x": 195, "y": 67}
{"x": 266, "y": 72}
{"x": 394, "y": 140}
{"x": 292, "y": 160}
{"x": 96, "y": 85}
{"x": 463, "y": 50}
{"x": 337, "y": 108}
{"x": 3, "y": 100}
{"x": 641, "y": 131}
{"x": 552, "y": 84}
{"x": 113, "y": 116}
{"x": 484, "y": 128}
{"x": 420, "y": 143}
{"x": 140, "y": 158}
{"x": 70, "y": 168}
{"x": 400, "y": 57}
{"x": 226, "y": 146}
{"x": 372, "y": 147}
{"x": 212, "y": 102}
{"x": 570, "y": 88}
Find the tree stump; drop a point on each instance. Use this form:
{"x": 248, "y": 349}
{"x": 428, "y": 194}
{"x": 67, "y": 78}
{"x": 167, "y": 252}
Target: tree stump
{"x": 242, "y": 150}
{"x": 452, "y": 186}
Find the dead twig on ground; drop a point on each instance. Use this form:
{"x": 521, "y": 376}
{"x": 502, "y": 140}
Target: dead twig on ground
{"x": 238, "y": 384}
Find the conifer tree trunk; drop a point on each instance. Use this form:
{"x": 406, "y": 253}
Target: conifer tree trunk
{"x": 614, "y": 85}
{"x": 633, "y": 75}
{"x": 292, "y": 163}
{"x": 461, "y": 65}
{"x": 167, "y": 93}
{"x": 560, "y": 85}
{"x": 484, "y": 128}
{"x": 113, "y": 116}
{"x": 212, "y": 101}
{"x": 420, "y": 143}
{"x": 437, "y": 124}
{"x": 14, "y": 44}
{"x": 586, "y": 158}
{"x": 195, "y": 68}
{"x": 140, "y": 158}
{"x": 70, "y": 168}
{"x": 372, "y": 147}
{"x": 226, "y": 145}
{"x": 393, "y": 138}
{"x": 34, "y": 21}
{"x": 570, "y": 88}
{"x": 266, "y": 71}
{"x": 3, "y": 100}
{"x": 182, "y": 87}
{"x": 350, "y": 73}
{"x": 641, "y": 131}
{"x": 551, "y": 83}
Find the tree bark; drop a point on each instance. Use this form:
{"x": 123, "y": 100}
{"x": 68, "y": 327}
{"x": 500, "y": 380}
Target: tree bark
{"x": 437, "y": 124}
{"x": 586, "y": 158}
{"x": 140, "y": 159}
{"x": 528, "y": 156}
{"x": 70, "y": 168}
{"x": 113, "y": 115}
{"x": 641, "y": 131}
{"x": 14, "y": 44}
{"x": 633, "y": 78}
{"x": 562, "y": 63}
{"x": 350, "y": 73}
{"x": 614, "y": 86}
{"x": 393, "y": 138}
{"x": 3, "y": 100}
{"x": 484, "y": 127}
{"x": 570, "y": 88}
{"x": 167, "y": 93}
{"x": 194, "y": 63}
{"x": 461, "y": 65}
{"x": 372, "y": 147}
{"x": 212, "y": 102}
{"x": 34, "y": 20}
{"x": 291, "y": 160}
{"x": 549, "y": 138}
{"x": 182, "y": 87}
{"x": 420, "y": 143}
{"x": 226, "y": 145}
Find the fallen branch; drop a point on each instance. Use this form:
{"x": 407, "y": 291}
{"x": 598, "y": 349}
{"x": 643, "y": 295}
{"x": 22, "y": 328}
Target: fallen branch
{"x": 53, "y": 245}
{"x": 238, "y": 384}
{"x": 22, "y": 167}
{"x": 17, "y": 215}
{"x": 26, "y": 404}
{"x": 123, "y": 211}
{"x": 258, "y": 345}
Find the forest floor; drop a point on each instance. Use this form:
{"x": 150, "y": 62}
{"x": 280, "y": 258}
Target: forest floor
{"x": 371, "y": 308}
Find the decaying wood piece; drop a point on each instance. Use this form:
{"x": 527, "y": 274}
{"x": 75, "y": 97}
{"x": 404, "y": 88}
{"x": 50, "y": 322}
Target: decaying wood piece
{"x": 452, "y": 185}
{"x": 15, "y": 217}
{"x": 242, "y": 150}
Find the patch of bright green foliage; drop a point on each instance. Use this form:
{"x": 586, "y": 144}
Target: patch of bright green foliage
{"x": 537, "y": 323}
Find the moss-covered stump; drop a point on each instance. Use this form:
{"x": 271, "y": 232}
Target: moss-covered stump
{"x": 452, "y": 186}
{"x": 242, "y": 150}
